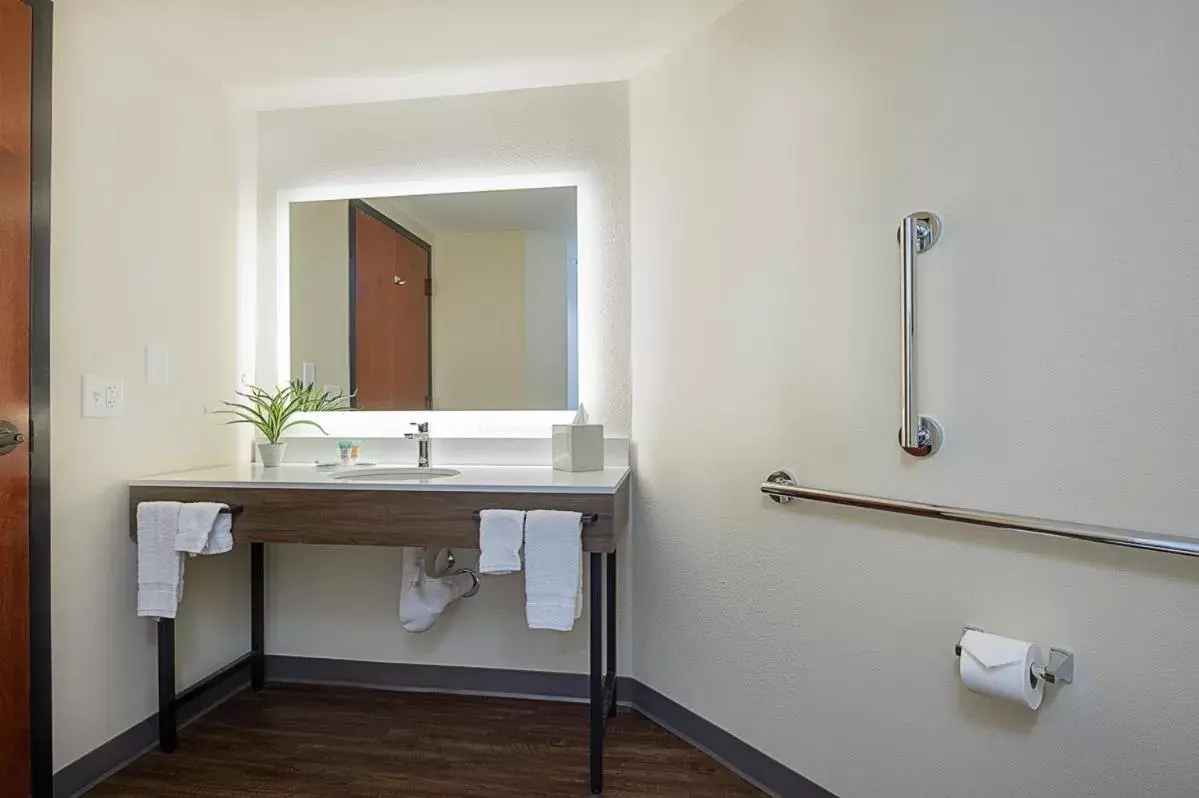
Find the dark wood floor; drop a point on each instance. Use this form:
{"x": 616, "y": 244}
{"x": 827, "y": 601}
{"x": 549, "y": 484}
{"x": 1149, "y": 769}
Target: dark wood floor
{"x": 326, "y": 742}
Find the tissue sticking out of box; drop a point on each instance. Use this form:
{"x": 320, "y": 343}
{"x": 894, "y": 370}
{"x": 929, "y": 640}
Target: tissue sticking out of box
{"x": 578, "y": 446}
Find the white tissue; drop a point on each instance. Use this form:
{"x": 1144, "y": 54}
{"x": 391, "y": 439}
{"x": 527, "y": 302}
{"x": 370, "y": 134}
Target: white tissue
{"x": 1001, "y": 667}
{"x": 580, "y": 415}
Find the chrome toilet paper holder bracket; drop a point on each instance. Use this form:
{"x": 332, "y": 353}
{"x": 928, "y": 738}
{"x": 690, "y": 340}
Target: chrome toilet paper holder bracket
{"x": 1059, "y": 669}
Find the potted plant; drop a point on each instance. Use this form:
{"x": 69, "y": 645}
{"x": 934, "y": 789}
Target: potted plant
{"x": 274, "y": 413}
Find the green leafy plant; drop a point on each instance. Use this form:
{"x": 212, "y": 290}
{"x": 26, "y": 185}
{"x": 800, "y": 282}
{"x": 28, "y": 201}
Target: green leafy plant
{"x": 271, "y": 413}
{"x": 314, "y": 401}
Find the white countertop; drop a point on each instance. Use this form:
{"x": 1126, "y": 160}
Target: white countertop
{"x": 484, "y": 479}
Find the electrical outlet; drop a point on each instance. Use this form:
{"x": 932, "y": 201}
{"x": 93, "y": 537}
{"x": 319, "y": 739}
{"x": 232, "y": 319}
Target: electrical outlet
{"x": 103, "y": 397}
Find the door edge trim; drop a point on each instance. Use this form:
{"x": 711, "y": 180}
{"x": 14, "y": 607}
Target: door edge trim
{"x": 41, "y": 688}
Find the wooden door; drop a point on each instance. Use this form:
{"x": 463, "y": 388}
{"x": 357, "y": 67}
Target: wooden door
{"x": 389, "y": 314}
{"x": 16, "y": 47}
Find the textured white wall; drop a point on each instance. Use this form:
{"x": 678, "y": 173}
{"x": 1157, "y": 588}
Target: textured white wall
{"x": 341, "y": 603}
{"x": 771, "y": 162}
{"x": 144, "y": 245}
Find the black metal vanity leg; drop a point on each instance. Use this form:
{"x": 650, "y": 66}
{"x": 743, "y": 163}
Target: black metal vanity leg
{"x": 597, "y": 673}
{"x": 168, "y": 731}
{"x": 257, "y": 616}
{"x": 611, "y": 600}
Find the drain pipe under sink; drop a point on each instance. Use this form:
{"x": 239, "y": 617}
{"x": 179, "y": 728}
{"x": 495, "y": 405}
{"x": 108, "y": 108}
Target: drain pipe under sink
{"x": 424, "y": 598}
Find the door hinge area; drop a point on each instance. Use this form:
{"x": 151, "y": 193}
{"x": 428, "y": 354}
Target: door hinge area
{"x": 429, "y": 287}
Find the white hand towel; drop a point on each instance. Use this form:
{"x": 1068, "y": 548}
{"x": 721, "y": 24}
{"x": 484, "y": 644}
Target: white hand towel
{"x": 553, "y": 569}
{"x": 159, "y": 566}
{"x": 501, "y": 533}
{"x": 203, "y": 529}
{"x": 579, "y": 592}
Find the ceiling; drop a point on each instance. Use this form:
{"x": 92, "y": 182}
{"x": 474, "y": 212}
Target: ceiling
{"x": 550, "y": 210}
{"x": 295, "y": 53}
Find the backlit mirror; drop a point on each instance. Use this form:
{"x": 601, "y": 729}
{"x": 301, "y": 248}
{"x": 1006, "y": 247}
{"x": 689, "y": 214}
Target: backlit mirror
{"x": 438, "y": 302}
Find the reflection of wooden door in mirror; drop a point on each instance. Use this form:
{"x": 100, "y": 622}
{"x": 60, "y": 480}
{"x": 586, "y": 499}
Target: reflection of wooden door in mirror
{"x": 16, "y": 27}
{"x": 390, "y": 362}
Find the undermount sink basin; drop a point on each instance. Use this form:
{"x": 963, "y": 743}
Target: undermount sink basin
{"x": 394, "y": 474}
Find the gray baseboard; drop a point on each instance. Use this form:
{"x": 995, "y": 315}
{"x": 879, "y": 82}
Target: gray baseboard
{"x": 751, "y": 764}
{"x": 140, "y": 738}
{"x": 768, "y": 775}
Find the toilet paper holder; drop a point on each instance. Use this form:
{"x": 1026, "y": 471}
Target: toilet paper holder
{"x": 1059, "y": 669}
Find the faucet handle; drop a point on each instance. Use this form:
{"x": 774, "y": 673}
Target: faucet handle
{"x": 421, "y": 426}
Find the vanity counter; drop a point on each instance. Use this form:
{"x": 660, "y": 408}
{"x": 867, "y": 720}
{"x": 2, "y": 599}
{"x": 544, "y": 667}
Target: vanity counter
{"x": 476, "y": 479}
{"x": 305, "y": 504}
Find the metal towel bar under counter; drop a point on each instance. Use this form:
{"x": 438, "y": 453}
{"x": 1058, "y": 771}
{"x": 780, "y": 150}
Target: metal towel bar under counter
{"x": 782, "y": 487}
{"x": 588, "y": 518}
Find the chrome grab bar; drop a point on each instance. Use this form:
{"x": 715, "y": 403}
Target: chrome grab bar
{"x": 919, "y": 436}
{"x": 782, "y": 488}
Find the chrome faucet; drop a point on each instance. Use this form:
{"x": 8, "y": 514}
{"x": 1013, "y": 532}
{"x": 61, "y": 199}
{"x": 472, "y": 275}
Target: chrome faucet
{"x": 421, "y": 435}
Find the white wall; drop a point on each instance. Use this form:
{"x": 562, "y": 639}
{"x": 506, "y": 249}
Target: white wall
{"x": 545, "y": 321}
{"x": 320, "y": 294}
{"x": 144, "y": 248}
{"x": 562, "y": 136}
{"x": 341, "y": 603}
{"x": 771, "y": 162}
{"x": 479, "y": 321}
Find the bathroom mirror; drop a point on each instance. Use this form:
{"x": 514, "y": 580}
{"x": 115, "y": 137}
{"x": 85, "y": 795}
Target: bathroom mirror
{"x": 438, "y": 302}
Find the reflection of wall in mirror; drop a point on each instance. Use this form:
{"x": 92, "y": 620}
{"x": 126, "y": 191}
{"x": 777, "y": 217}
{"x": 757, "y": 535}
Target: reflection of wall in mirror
{"x": 320, "y": 296}
{"x": 478, "y": 321}
{"x": 546, "y": 260}
{"x": 501, "y": 310}
{"x": 499, "y": 321}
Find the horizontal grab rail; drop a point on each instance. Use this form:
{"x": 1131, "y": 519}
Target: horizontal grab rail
{"x": 782, "y": 487}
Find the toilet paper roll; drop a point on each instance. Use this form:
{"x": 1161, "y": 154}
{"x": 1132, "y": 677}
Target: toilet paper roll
{"x": 1001, "y": 667}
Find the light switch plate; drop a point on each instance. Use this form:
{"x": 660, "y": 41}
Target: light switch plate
{"x": 158, "y": 365}
{"x": 103, "y": 397}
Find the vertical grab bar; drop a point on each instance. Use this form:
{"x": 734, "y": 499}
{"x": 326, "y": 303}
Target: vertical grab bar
{"x": 919, "y": 436}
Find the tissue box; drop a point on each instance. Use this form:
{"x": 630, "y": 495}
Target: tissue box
{"x": 578, "y": 447}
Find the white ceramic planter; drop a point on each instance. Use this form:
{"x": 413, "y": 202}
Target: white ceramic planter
{"x": 271, "y": 454}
